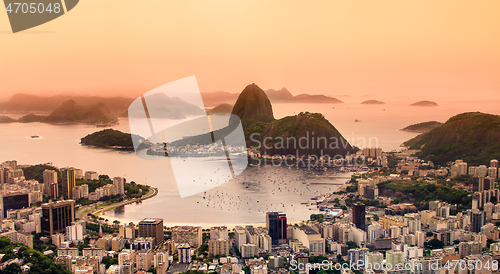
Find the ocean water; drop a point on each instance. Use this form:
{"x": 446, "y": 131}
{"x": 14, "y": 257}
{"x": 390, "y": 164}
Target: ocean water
{"x": 244, "y": 199}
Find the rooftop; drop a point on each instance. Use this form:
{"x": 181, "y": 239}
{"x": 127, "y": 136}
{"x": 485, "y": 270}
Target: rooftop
{"x": 308, "y": 230}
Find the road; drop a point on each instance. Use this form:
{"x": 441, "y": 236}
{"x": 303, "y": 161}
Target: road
{"x": 80, "y": 213}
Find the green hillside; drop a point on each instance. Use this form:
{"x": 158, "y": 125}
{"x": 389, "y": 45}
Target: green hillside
{"x": 109, "y": 138}
{"x": 473, "y": 137}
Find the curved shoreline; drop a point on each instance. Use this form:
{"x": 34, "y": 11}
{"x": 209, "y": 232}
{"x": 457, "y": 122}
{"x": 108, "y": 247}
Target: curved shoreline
{"x": 85, "y": 211}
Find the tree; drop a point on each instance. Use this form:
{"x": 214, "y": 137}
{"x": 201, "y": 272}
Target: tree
{"x": 12, "y": 269}
{"x": 107, "y": 261}
{"x": 434, "y": 244}
{"x": 103, "y": 177}
{"x": 203, "y": 248}
{"x": 351, "y": 245}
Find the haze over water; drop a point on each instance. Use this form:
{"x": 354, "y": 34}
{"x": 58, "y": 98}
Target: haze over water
{"x": 255, "y": 187}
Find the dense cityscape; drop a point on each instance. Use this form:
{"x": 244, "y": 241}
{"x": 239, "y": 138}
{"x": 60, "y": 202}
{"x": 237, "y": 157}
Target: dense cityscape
{"x": 397, "y": 214}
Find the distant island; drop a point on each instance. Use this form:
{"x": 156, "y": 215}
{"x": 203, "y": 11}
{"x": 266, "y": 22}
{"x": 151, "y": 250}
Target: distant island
{"x": 6, "y": 119}
{"x": 472, "y": 137}
{"x": 70, "y": 112}
{"x": 222, "y": 108}
{"x": 422, "y": 127}
{"x": 161, "y": 105}
{"x": 275, "y": 96}
{"x": 284, "y": 96}
{"x": 110, "y": 138}
{"x": 424, "y": 104}
{"x": 32, "y": 118}
{"x": 372, "y": 102}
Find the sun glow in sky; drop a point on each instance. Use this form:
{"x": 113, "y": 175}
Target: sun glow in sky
{"x": 379, "y": 48}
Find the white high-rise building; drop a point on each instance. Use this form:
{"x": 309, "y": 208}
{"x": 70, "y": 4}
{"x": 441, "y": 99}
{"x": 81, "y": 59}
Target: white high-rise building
{"x": 483, "y": 170}
{"x": 420, "y": 238}
{"x": 375, "y": 231}
{"x": 219, "y": 232}
{"x": 75, "y": 232}
{"x": 394, "y": 258}
{"x": 394, "y": 231}
{"x": 240, "y": 237}
{"x": 493, "y": 172}
{"x": 412, "y": 220}
{"x": 184, "y": 253}
{"x": 119, "y": 183}
{"x": 91, "y": 175}
{"x": 494, "y": 163}
{"x": 373, "y": 260}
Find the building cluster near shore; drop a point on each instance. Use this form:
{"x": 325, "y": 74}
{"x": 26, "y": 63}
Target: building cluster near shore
{"x": 437, "y": 239}
{"x": 17, "y": 192}
{"x": 21, "y": 201}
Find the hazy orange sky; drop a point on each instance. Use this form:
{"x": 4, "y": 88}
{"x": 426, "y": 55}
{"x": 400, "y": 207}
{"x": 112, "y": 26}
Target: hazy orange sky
{"x": 381, "y": 48}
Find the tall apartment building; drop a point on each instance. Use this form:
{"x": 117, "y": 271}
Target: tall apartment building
{"x": 310, "y": 239}
{"x": 473, "y": 170}
{"x": 184, "y": 253}
{"x": 240, "y": 237}
{"x": 372, "y": 152}
{"x": 191, "y": 235}
{"x": 219, "y": 232}
{"x": 152, "y": 227}
{"x": 493, "y": 172}
{"x": 477, "y": 183}
{"x": 469, "y": 248}
{"x": 494, "y": 163}
{"x": 489, "y": 183}
{"x": 161, "y": 261}
{"x": 483, "y": 170}
{"x": 75, "y": 231}
{"x": 128, "y": 232}
{"x": 144, "y": 259}
{"x": 56, "y": 216}
{"x": 68, "y": 182}
{"x": 249, "y": 250}
{"x": 219, "y": 247}
{"x": 477, "y": 219}
{"x": 119, "y": 183}
{"x": 358, "y": 215}
{"x": 276, "y": 224}
{"x": 49, "y": 178}
{"x": 91, "y": 175}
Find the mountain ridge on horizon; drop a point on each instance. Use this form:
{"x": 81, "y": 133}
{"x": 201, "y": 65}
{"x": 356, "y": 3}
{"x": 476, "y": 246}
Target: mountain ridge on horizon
{"x": 24, "y": 102}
